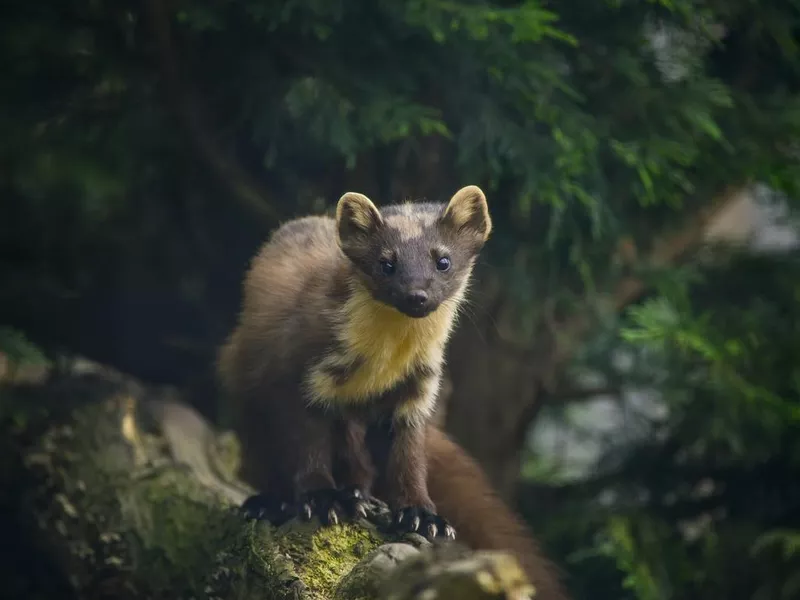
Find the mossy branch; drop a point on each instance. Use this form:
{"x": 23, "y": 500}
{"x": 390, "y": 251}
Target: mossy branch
{"x": 130, "y": 504}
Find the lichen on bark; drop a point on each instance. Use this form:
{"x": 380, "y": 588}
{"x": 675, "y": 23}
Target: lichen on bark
{"x": 130, "y": 510}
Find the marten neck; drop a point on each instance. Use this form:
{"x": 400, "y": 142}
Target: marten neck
{"x": 377, "y": 347}
{"x": 370, "y": 327}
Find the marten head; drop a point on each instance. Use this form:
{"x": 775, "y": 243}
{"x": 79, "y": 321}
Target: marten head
{"x": 414, "y": 256}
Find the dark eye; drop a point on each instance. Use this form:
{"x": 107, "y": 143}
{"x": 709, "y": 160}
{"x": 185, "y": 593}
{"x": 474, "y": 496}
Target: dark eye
{"x": 387, "y": 266}
{"x": 443, "y": 264}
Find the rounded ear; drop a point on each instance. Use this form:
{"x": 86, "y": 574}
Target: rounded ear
{"x": 356, "y": 215}
{"x": 468, "y": 213}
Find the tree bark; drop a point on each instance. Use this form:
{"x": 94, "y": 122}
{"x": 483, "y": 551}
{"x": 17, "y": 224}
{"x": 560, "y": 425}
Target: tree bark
{"x": 126, "y": 503}
{"x": 498, "y": 387}
{"x": 494, "y": 392}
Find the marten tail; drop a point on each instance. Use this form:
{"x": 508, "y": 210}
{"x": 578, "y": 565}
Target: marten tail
{"x": 464, "y": 496}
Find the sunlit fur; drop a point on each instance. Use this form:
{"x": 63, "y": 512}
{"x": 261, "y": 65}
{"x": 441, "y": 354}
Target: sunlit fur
{"x": 317, "y": 327}
{"x": 469, "y": 213}
{"x": 315, "y": 302}
{"x": 387, "y": 345}
{"x": 377, "y": 344}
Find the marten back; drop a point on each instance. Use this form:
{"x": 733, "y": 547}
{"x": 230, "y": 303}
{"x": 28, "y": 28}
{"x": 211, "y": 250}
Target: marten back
{"x": 348, "y": 308}
{"x": 290, "y": 294}
{"x": 464, "y": 496}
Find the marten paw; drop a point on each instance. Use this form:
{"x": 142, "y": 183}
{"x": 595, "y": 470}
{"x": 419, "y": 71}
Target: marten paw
{"x": 332, "y": 505}
{"x": 262, "y": 507}
{"x": 416, "y": 519}
{"x": 359, "y": 503}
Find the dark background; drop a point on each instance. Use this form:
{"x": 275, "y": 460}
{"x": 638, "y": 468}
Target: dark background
{"x": 147, "y": 148}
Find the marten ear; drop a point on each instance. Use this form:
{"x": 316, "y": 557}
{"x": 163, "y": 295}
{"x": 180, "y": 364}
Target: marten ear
{"x": 356, "y": 217}
{"x": 467, "y": 213}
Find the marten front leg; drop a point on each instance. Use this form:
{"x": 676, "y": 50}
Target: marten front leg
{"x": 402, "y": 444}
{"x": 354, "y": 470}
{"x": 303, "y": 485}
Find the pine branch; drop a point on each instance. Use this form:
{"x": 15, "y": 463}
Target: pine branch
{"x": 669, "y": 249}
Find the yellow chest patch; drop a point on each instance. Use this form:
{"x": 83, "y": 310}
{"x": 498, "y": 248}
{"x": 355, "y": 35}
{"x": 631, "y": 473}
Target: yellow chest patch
{"x": 385, "y": 344}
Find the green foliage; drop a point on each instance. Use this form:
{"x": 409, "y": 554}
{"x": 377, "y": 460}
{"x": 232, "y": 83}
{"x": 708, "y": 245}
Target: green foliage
{"x": 588, "y": 124}
{"x": 626, "y": 550}
{"x": 788, "y": 541}
{"x": 18, "y": 349}
{"x": 702, "y": 503}
{"x": 585, "y": 123}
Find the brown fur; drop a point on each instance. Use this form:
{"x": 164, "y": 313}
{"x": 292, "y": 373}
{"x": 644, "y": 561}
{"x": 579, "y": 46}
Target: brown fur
{"x": 464, "y": 496}
{"x": 334, "y": 367}
{"x": 325, "y": 333}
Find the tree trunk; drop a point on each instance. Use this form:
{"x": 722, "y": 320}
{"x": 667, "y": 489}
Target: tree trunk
{"x": 493, "y": 403}
{"x": 123, "y": 500}
{"x": 498, "y": 385}
{"x": 496, "y": 382}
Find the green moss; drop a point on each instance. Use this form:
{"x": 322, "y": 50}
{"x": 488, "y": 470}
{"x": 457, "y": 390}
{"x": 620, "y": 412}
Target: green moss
{"x": 312, "y": 557}
{"x": 227, "y": 454}
{"x": 336, "y": 550}
{"x": 173, "y": 527}
{"x": 118, "y": 501}
{"x": 179, "y": 532}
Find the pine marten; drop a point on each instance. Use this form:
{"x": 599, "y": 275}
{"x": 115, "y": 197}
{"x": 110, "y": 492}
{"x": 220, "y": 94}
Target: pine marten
{"x": 335, "y": 363}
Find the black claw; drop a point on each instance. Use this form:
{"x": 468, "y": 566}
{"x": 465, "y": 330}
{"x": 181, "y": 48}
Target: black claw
{"x": 329, "y": 505}
{"x": 358, "y": 503}
{"x": 261, "y": 507}
{"x": 414, "y": 518}
{"x": 333, "y": 518}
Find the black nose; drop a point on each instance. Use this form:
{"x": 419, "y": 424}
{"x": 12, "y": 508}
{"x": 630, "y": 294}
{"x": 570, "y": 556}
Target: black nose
{"x": 417, "y": 298}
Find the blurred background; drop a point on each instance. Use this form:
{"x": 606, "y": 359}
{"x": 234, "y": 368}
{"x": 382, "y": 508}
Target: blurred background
{"x": 628, "y": 371}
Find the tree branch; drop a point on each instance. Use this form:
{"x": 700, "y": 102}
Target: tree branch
{"x": 132, "y": 496}
{"x": 667, "y": 250}
{"x": 542, "y": 362}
